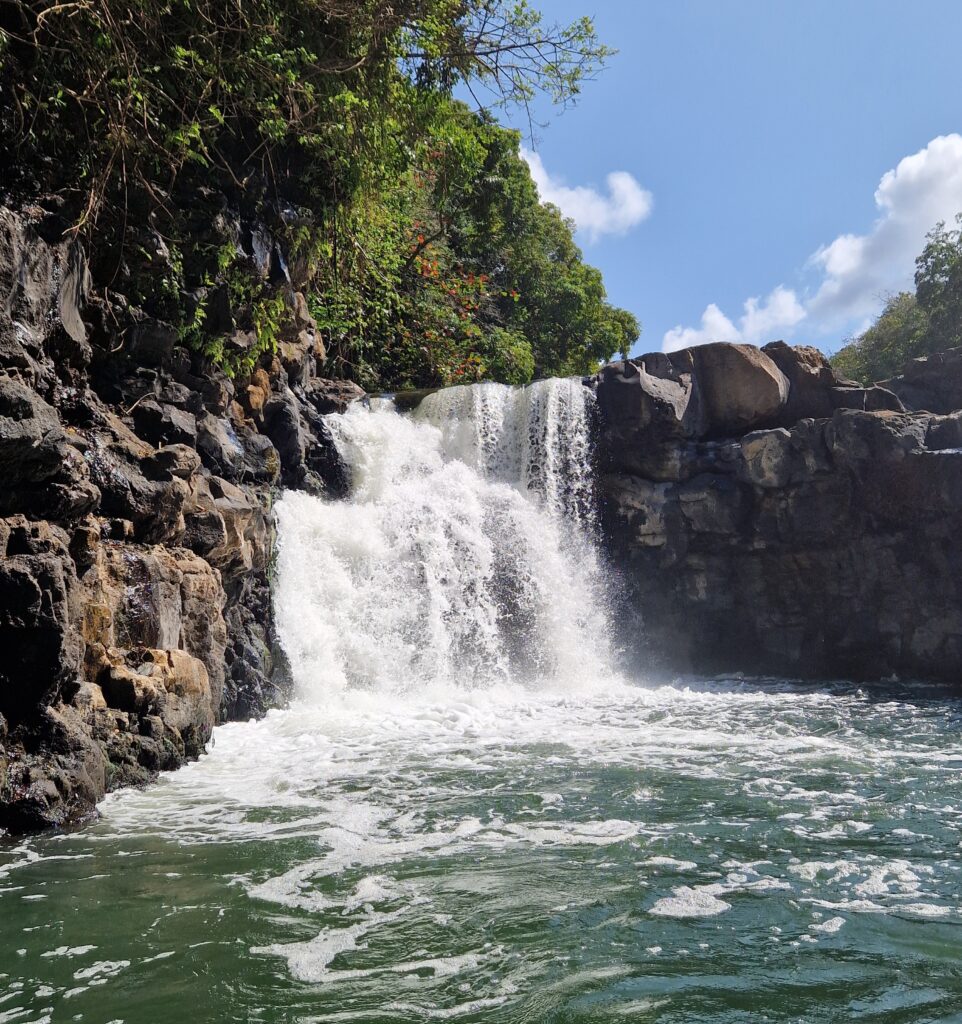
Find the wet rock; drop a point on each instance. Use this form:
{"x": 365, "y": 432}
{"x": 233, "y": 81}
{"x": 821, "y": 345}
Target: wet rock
{"x": 828, "y": 552}
{"x": 219, "y": 446}
{"x": 174, "y": 460}
{"x": 331, "y": 396}
{"x": 39, "y": 599}
{"x": 256, "y": 392}
{"x": 154, "y": 506}
{"x": 283, "y": 425}
{"x": 156, "y": 597}
{"x": 73, "y": 294}
{"x": 56, "y": 781}
{"x": 170, "y": 687}
{"x": 30, "y": 434}
{"x": 134, "y": 527}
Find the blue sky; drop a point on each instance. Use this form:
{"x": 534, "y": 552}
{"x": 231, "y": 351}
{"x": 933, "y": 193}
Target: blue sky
{"x": 755, "y": 134}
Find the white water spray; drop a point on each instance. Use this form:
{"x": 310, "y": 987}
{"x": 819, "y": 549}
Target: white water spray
{"x": 464, "y": 557}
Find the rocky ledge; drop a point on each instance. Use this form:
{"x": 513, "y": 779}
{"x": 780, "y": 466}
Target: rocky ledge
{"x": 769, "y": 517}
{"x": 135, "y": 526}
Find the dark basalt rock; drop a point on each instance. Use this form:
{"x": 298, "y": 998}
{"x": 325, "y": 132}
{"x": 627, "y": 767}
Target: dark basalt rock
{"x": 135, "y": 527}
{"x": 816, "y": 536}
{"x": 931, "y": 383}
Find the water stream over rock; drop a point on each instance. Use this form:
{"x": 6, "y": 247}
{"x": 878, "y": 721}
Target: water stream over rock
{"x": 472, "y": 813}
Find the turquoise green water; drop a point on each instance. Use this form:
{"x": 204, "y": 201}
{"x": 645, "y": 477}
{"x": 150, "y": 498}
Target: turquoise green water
{"x": 727, "y": 852}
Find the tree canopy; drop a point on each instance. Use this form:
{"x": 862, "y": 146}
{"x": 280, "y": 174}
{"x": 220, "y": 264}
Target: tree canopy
{"x": 428, "y": 256}
{"x": 913, "y": 325}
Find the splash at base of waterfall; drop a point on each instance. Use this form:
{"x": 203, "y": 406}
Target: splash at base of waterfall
{"x": 464, "y": 557}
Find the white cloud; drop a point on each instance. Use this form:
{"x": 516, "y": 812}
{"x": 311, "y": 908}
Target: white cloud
{"x": 855, "y": 272}
{"x": 625, "y": 205}
{"x": 922, "y": 190}
{"x": 761, "y": 321}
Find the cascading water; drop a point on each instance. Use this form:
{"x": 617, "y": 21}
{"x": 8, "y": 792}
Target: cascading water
{"x": 465, "y": 556}
{"x": 467, "y": 814}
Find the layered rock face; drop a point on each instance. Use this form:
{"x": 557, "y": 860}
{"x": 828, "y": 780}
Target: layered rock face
{"x": 768, "y": 517}
{"x": 134, "y": 529}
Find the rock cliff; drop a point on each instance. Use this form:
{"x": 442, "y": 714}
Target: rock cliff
{"x": 769, "y": 517}
{"x": 135, "y": 528}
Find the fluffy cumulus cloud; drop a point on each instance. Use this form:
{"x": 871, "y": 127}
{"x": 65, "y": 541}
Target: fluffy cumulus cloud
{"x": 596, "y": 214}
{"x": 854, "y": 272}
{"x": 761, "y": 320}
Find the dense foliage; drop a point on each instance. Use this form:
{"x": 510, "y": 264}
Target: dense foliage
{"x": 913, "y": 325}
{"x": 409, "y": 220}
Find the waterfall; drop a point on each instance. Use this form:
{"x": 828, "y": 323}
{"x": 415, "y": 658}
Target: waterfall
{"x": 464, "y": 556}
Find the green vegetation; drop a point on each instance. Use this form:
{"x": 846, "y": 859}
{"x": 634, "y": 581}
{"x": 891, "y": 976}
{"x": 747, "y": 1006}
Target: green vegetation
{"x": 165, "y": 128}
{"x": 913, "y": 325}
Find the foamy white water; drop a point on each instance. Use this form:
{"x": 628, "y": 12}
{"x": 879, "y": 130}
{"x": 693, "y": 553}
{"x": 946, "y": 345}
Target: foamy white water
{"x": 468, "y": 814}
{"x": 465, "y": 556}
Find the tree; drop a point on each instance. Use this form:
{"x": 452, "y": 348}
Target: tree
{"x": 910, "y": 325}
{"x": 883, "y": 349}
{"x": 412, "y": 220}
{"x": 938, "y": 287}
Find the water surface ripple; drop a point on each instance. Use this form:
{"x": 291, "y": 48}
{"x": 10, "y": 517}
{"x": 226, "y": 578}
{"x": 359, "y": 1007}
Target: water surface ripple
{"x": 470, "y": 814}
{"x": 723, "y": 851}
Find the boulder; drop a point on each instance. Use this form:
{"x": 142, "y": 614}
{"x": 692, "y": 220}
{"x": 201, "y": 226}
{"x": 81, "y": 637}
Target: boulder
{"x": 741, "y": 387}
{"x": 255, "y": 393}
{"x": 160, "y": 598}
{"x": 809, "y": 375}
{"x": 39, "y": 598}
{"x": 125, "y": 473}
{"x": 226, "y": 527}
{"x": 944, "y": 433}
{"x": 162, "y": 424}
{"x": 30, "y": 434}
{"x": 174, "y": 460}
{"x": 219, "y": 446}
{"x": 872, "y": 399}
{"x": 328, "y": 396}
{"x": 647, "y": 406}
{"x": 60, "y": 782}
{"x": 169, "y": 685}
{"x": 874, "y": 438}
{"x": 283, "y": 425}
{"x": 150, "y": 342}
